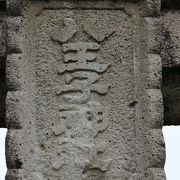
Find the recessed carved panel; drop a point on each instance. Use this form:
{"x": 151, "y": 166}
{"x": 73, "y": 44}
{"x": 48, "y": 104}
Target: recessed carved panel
{"x": 83, "y": 63}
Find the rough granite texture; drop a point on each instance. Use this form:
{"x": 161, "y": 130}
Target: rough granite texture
{"x": 82, "y": 83}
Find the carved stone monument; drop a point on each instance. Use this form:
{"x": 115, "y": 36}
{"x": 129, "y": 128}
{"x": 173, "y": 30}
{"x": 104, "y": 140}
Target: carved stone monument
{"x": 82, "y": 88}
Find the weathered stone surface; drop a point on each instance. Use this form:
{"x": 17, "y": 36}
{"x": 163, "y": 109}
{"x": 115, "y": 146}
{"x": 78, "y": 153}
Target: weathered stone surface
{"x": 92, "y": 116}
{"x": 84, "y": 99}
{"x": 14, "y": 71}
{"x": 14, "y": 36}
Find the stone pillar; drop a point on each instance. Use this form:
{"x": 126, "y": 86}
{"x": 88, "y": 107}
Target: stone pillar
{"x": 84, "y": 98}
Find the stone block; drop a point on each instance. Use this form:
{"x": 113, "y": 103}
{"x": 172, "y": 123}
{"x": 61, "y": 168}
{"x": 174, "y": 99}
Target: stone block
{"x": 14, "y": 72}
{"x": 14, "y": 143}
{"x": 154, "y": 72}
{"x": 154, "y": 108}
{"x": 14, "y": 35}
{"x": 153, "y": 35}
{"x": 16, "y": 108}
{"x": 156, "y": 152}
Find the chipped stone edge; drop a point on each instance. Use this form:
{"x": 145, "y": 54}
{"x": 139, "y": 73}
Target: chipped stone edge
{"x": 153, "y": 101}
{"x": 15, "y": 93}
{"x": 21, "y": 141}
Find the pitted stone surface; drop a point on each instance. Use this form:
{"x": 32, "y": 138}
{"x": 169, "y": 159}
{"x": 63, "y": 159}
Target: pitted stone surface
{"x": 84, "y": 99}
{"x": 92, "y": 114}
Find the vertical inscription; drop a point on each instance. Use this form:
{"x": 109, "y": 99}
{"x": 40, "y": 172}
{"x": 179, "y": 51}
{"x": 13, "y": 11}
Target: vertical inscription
{"x": 78, "y": 61}
{"x": 84, "y": 124}
{"x": 81, "y": 117}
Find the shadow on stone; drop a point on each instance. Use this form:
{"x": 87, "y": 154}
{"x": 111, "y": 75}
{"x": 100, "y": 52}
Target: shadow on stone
{"x": 170, "y": 4}
{"x": 171, "y": 95}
